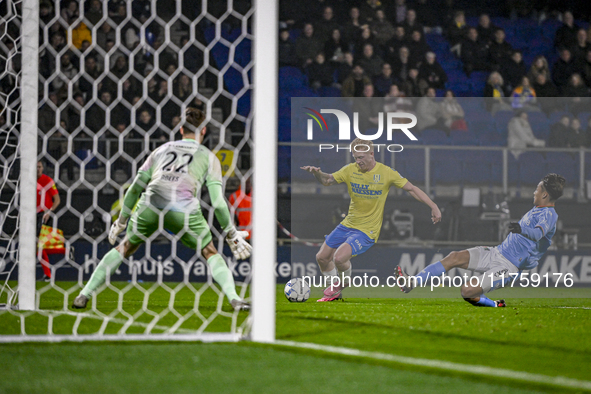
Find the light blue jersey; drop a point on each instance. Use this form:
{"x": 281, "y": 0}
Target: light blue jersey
{"x": 537, "y": 228}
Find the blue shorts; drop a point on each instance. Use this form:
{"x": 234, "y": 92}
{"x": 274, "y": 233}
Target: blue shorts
{"x": 358, "y": 240}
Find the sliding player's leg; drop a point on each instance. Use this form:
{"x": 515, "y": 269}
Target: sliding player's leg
{"x": 143, "y": 223}
{"x": 498, "y": 271}
{"x": 459, "y": 259}
{"x": 195, "y": 234}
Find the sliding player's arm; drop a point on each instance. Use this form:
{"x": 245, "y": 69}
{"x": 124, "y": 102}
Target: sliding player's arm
{"x": 421, "y": 196}
{"x": 322, "y": 177}
{"x": 235, "y": 239}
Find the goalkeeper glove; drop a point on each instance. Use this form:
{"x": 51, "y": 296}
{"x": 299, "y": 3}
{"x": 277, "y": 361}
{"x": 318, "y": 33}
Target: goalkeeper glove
{"x": 515, "y": 227}
{"x": 116, "y": 228}
{"x": 239, "y": 247}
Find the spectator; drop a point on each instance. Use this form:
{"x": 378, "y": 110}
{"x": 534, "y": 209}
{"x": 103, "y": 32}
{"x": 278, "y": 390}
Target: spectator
{"x": 426, "y": 17}
{"x": 120, "y": 68}
{"x": 453, "y": 113}
{"x": 80, "y": 34}
{"x": 584, "y": 66}
{"x": 418, "y": 47}
{"x": 353, "y": 85}
{"x": 560, "y": 133}
{"x": 514, "y": 70}
{"x": 395, "y": 101}
{"x": 287, "y": 52}
{"x": 577, "y": 137}
{"x": 545, "y": 88}
{"x": 539, "y": 66}
{"x": 393, "y": 45}
{"x": 500, "y": 50}
{"x": 73, "y": 112}
{"x": 324, "y": 27}
{"x": 456, "y": 32}
{"x": 183, "y": 87}
{"x": 579, "y": 50}
{"x": 524, "y": 97}
{"x": 566, "y": 35}
{"x": 381, "y": 28}
{"x": 371, "y": 63}
{"x": 411, "y": 24}
{"x": 368, "y": 109}
{"x": 352, "y": 28}
{"x": 120, "y": 14}
{"x": 366, "y": 38}
{"x": 521, "y": 134}
{"x": 412, "y": 85}
{"x": 94, "y": 13}
{"x": 48, "y": 199}
{"x": 146, "y": 122}
{"x": 105, "y": 33}
{"x": 70, "y": 13}
{"x": 384, "y": 81}
{"x": 47, "y": 113}
{"x": 474, "y": 53}
{"x": 95, "y": 116}
{"x": 345, "y": 68}
{"x": 90, "y": 75}
{"x": 307, "y": 46}
{"x": 368, "y": 10}
{"x": 579, "y": 93}
{"x": 429, "y": 112}
{"x": 400, "y": 11}
{"x": 495, "y": 88}
{"x": 486, "y": 30}
{"x": 193, "y": 56}
{"x": 335, "y": 48}
{"x": 431, "y": 73}
{"x": 319, "y": 72}
{"x": 563, "y": 69}
{"x": 67, "y": 73}
{"x": 402, "y": 64}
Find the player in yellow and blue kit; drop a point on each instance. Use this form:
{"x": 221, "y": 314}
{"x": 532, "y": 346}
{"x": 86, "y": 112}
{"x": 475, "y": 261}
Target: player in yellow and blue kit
{"x": 526, "y": 243}
{"x": 368, "y": 183}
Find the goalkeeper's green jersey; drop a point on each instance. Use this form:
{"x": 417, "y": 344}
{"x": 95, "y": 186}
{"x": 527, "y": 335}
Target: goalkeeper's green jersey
{"x": 177, "y": 170}
{"x": 368, "y": 191}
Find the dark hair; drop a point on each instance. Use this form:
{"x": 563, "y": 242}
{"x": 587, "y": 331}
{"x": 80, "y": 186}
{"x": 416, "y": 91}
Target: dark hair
{"x": 554, "y": 185}
{"x": 193, "y": 119}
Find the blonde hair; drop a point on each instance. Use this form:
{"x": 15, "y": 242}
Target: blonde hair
{"x": 359, "y": 141}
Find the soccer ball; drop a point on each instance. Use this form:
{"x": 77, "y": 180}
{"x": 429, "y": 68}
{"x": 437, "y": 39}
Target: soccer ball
{"x": 296, "y": 290}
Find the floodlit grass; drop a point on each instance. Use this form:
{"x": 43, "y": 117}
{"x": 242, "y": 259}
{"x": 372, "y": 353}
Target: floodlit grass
{"x": 548, "y": 336}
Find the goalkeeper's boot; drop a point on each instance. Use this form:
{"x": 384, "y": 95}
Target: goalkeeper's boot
{"x": 240, "y": 305}
{"x": 80, "y": 302}
{"x": 500, "y": 303}
{"x": 332, "y": 293}
{"x": 408, "y": 282}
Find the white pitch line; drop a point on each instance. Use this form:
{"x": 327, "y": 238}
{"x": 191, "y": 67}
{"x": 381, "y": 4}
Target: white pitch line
{"x": 446, "y": 365}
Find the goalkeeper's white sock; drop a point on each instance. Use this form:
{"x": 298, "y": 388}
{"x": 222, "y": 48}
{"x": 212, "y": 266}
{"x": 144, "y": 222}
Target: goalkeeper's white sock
{"x": 329, "y": 275}
{"x": 109, "y": 263}
{"x": 223, "y": 276}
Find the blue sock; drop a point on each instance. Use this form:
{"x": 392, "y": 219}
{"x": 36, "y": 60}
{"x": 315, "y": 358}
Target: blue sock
{"x": 435, "y": 269}
{"x": 484, "y": 301}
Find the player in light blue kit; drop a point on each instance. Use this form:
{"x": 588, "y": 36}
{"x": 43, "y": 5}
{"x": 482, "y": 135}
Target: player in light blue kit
{"x": 527, "y": 241}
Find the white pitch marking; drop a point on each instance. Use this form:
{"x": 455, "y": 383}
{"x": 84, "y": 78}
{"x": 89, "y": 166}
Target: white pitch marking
{"x": 446, "y": 365}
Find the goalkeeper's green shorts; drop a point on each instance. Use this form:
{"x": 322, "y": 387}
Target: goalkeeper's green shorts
{"x": 192, "y": 229}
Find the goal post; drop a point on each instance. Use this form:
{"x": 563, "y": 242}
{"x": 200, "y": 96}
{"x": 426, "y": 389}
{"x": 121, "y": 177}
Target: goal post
{"x": 28, "y": 155}
{"x": 265, "y": 175}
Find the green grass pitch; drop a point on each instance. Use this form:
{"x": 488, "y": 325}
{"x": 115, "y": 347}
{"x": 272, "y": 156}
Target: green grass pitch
{"x": 548, "y": 336}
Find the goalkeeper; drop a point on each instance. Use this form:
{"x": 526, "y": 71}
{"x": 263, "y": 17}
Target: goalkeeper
{"x": 171, "y": 177}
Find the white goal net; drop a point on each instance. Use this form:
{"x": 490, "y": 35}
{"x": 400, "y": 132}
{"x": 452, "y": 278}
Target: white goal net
{"x": 114, "y": 79}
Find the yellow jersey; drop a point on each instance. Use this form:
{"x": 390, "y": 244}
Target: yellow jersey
{"x": 368, "y": 191}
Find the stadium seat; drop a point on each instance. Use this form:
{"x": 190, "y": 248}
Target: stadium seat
{"x": 434, "y": 137}
{"x": 410, "y": 163}
{"x": 291, "y": 78}
{"x": 446, "y": 166}
{"x": 329, "y": 91}
{"x": 460, "y": 137}
{"x": 530, "y": 168}
{"x": 482, "y": 167}
{"x": 565, "y": 164}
